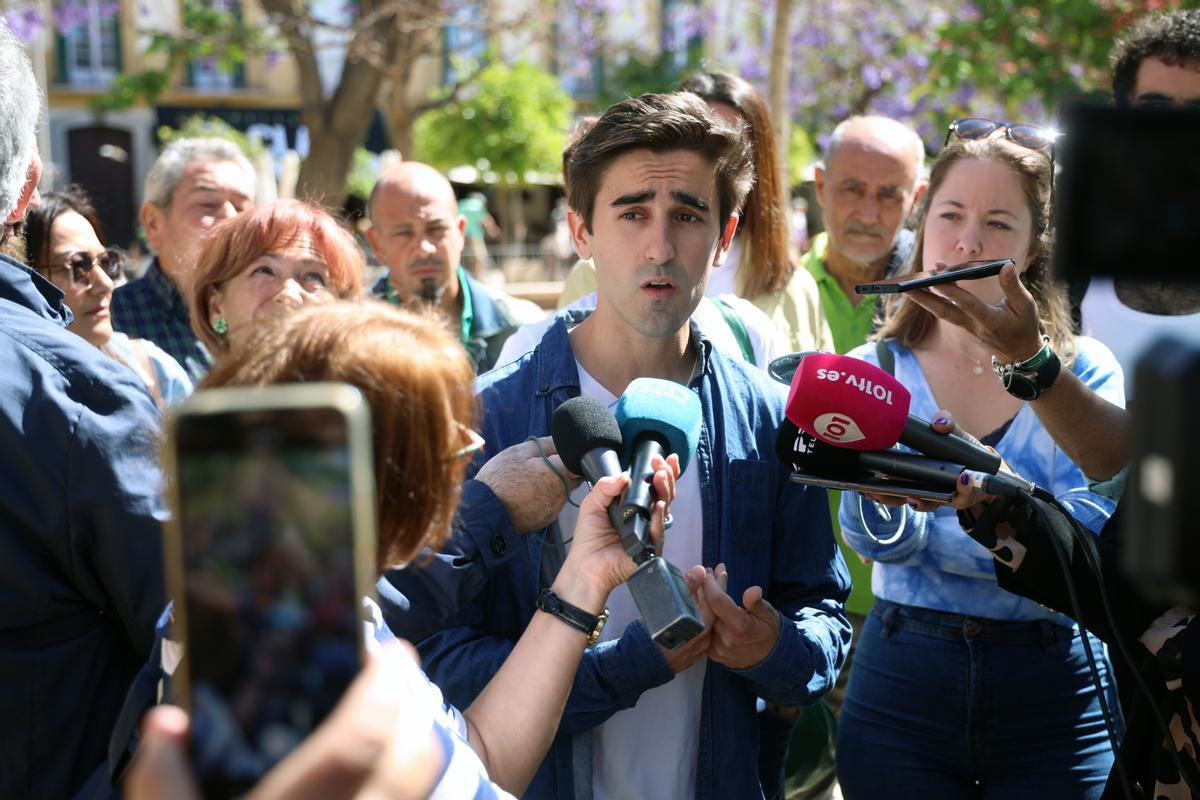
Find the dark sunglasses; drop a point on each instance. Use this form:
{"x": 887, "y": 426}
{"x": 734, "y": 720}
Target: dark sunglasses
{"x": 1034, "y": 137}
{"x": 111, "y": 263}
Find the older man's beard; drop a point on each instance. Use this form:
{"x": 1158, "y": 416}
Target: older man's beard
{"x": 13, "y": 243}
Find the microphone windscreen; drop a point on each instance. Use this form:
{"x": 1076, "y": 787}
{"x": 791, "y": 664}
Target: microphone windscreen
{"x": 848, "y": 402}
{"x": 582, "y": 424}
{"x": 800, "y": 451}
{"x": 666, "y": 408}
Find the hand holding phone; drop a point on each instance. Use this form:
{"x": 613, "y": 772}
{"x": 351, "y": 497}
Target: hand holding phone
{"x": 967, "y": 271}
{"x": 269, "y": 555}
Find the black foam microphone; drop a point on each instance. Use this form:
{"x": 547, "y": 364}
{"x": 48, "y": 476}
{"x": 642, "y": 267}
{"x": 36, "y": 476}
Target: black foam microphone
{"x": 588, "y": 439}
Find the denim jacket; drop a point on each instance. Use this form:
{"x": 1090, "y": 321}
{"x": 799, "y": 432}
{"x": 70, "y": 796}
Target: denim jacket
{"x": 769, "y": 532}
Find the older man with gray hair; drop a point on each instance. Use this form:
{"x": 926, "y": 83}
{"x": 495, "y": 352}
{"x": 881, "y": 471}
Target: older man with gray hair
{"x": 80, "y": 542}
{"x": 194, "y": 184}
{"x": 869, "y": 183}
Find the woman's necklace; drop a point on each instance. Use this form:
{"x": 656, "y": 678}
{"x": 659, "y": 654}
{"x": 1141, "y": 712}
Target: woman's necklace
{"x": 978, "y": 368}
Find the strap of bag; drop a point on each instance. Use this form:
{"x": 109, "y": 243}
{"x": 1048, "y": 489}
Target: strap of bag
{"x": 736, "y": 327}
{"x": 887, "y": 359}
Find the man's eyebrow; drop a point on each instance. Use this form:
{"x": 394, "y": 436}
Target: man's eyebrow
{"x": 689, "y": 200}
{"x": 205, "y": 186}
{"x": 632, "y": 199}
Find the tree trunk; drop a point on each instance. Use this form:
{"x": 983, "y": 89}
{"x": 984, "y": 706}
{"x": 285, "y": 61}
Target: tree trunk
{"x": 323, "y": 172}
{"x": 778, "y": 90}
{"x": 400, "y": 120}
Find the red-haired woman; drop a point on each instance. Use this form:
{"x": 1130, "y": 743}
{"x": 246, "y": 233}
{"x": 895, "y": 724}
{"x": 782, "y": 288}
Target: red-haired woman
{"x": 267, "y": 261}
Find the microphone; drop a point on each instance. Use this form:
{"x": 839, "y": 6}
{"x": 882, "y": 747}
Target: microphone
{"x": 588, "y": 438}
{"x": 850, "y": 403}
{"x": 808, "y": 455}
{"x": 656, "y": 417}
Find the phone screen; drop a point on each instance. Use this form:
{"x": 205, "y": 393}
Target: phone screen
{"x": 272, "y": 613}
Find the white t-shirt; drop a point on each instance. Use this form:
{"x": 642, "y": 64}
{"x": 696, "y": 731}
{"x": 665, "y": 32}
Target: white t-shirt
{"x": 649, "y": 750}
{"x": 1126, "y": 331}
{"x": 764, "y": 338}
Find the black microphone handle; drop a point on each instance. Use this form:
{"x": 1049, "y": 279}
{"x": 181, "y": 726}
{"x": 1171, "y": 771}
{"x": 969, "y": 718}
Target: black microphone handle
{"x": 932, "y": 472}
{"x": 640, "y": 494}
{"x": 633, "y": 527}
{"x": 920, "y": 437}
{"x": 601, "y": 463}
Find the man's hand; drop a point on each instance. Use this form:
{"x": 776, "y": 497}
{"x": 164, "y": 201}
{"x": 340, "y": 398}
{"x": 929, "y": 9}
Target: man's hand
{"x": 530, "y": 491}
{"x": 686, "y": 655}
{"x": 1010, "y": 329}
{"x": 742, "y": 636}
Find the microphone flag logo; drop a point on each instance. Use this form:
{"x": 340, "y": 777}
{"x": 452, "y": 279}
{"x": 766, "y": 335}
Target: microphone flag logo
{"x": 837, "y": 428}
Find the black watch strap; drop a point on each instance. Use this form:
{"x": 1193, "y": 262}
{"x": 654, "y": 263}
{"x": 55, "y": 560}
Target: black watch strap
{"x": 1029, "y": 385}
{"x": 588, "y": 624}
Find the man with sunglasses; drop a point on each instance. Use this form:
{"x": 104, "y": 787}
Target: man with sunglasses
{"x": 80, "y": 542}
{"x": 1155, "y": 64}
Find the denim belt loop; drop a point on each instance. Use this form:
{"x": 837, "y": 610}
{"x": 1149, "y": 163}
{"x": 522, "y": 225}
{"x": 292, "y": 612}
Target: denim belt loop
{"x": 1048, "y": 638}
{"x": 889, "y": 619}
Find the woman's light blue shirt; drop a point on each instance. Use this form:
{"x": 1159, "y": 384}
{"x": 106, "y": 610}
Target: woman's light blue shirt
{"x": 933, "y": 563}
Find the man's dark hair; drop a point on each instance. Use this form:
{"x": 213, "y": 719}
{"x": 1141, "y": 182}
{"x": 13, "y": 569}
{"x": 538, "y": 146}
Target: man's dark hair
{"x": 1172, "y": 37}
{"x": 661, "y": 123}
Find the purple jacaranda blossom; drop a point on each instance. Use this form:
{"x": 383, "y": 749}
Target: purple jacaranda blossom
{"x": 26, "y": 22}
{"x": 871, "y": 76}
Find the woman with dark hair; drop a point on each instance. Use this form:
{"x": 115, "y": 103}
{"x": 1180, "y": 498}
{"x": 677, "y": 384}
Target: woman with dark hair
{"x": 393, "y": 726}
{"x": 63, "y": 242}
{"x": 960, "y": 689}
{"x": 268, "y": 261}
{"x": 759, "y": 266}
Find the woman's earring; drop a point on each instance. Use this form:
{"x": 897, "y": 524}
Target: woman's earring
{"x": 220, "y": 327}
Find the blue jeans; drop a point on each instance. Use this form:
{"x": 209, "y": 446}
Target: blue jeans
{"x": 945, "y": 706}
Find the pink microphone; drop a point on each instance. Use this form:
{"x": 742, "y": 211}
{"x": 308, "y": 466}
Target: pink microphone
{"x": 847, "y": 402}
{"x": 854, "y": 404}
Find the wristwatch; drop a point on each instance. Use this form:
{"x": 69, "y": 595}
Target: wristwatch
{"x": 574, "y": 616}
{"x": 1027, "y": 380}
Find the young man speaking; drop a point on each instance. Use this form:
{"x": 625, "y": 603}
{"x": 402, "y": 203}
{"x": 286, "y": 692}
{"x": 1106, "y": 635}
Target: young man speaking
{"x": 655, "y": 189}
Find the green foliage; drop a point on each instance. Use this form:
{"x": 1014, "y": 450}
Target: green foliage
{"x": 636, "y": 76}
{"x": 802, "y": 152}
{"x": 200, "y": 125}
{"x": 1022, "y": 50}
{"x": 514, "y": 122}
{"x": 208, "y": 33}
{"x": 363, "y": 173}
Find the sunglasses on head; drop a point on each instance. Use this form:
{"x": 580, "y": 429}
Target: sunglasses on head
{"x": 111, "y": 262}
{"x": 1034, "y": 137}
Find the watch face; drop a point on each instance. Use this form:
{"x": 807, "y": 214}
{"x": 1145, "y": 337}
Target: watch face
{"x": 1022, "y": 386}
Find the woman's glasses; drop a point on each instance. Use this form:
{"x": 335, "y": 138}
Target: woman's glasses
{"x": 1034, "y": 137}
{"x": 474, "y": 445}
{"x": 111, "y": 261}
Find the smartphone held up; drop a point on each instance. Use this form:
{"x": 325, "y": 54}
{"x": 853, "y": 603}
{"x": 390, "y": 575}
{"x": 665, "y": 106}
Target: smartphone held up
{"x": 269, "y": 555}
{"x": 967, "y": 271}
